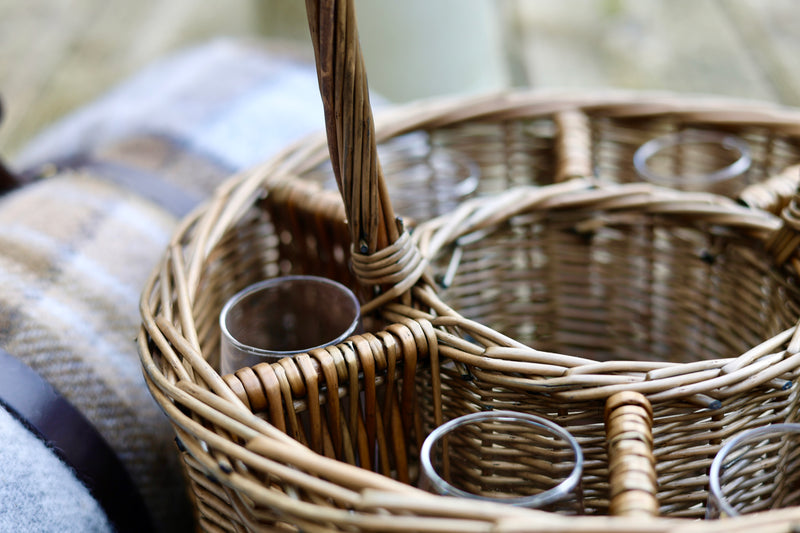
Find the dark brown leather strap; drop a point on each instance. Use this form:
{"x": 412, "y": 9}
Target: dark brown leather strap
{"x": 8, "y": 180}
{"x": 33, "y": 401}
{"x": 152, "y": 187}
{"x": 149, "y": 186}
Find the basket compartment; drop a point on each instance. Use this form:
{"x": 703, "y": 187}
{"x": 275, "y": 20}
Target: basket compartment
{"x": 545, "y": 141}
{"x": 291, "y": 231}
{"x": 625, "y": 283}
{"x": 610, "y": 286}
{"x": 686, "y": 436}
{"x": 630, "y": 286}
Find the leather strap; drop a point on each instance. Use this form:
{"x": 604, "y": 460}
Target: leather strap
{"x": 75, "y": 440}
{"x": 150, "y": 186}
{"x": 8, "y": 180}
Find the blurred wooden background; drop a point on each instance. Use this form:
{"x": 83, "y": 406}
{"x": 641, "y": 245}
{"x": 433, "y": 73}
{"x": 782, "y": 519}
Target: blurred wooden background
{"x": 56, "y": 55}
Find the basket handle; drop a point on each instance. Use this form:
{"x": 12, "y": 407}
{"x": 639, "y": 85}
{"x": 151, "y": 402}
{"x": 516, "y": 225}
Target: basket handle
{"x": 383, "y": 255}
{"x": 632, "y": 476}
{"x": 349, "y": 124}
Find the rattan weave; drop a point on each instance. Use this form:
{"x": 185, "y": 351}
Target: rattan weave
{"x": 561, "y": 282}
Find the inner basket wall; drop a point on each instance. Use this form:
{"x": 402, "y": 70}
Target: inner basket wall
{"x": 277, "y": 236}
{"x": 555, "y": 142}
{"x": 641, "y": 288}
{"x": 623, "y": 287}
{"x": 686, "y": 434}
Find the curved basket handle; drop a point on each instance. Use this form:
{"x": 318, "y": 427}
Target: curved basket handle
{"x": 349, "y": 125}
{"x": 632, "y": 476}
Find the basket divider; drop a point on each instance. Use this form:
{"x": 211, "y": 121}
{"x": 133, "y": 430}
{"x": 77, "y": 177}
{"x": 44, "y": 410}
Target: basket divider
{"x": 632, "y": 478}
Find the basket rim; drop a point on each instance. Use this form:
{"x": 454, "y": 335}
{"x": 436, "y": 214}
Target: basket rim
{"x": 482, "y": 215}
{"x": 438, "y": 111}
{"x": 198, "y": 233}
{"x": 311, "y": 150}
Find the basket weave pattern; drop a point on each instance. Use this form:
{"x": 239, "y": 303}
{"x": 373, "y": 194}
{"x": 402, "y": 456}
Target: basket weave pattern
{"x": 561, "y": 282}
{"x": 644, "y": 294}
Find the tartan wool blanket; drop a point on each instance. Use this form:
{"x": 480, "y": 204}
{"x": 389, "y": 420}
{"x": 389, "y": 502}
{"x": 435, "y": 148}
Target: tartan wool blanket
{"x": 76, "y": 247}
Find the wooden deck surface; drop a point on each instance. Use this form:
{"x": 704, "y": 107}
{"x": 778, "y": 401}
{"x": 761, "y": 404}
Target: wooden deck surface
{"x": 56, "y": 55}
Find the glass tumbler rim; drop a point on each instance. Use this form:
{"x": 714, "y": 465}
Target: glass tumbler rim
{"x": 692, "y": 136}
{"x": 714, "y": 486}
{"x": 547, "y": 497}
{"x": 264, "y": 284}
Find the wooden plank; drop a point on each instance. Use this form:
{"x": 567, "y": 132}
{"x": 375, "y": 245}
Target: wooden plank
{"x": 35, "y": 37}
{"x": 90, "y": 65}
{"x": 769, "y": 30}
{"x": 676, "y": 45}
{"x": 96, "y": 47}
{"x": 56, "y": 55}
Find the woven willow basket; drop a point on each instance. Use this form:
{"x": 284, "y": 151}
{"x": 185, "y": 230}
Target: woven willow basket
{"x": 562, "y": 282}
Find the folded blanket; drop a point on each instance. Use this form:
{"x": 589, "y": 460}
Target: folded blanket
{"x": 76, "y": 248}
{"x": 38, "y": 492}
{"x": 75, "y": 252}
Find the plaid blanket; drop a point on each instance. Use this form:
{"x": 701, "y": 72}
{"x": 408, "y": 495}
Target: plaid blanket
{"x": 76, "y": 247}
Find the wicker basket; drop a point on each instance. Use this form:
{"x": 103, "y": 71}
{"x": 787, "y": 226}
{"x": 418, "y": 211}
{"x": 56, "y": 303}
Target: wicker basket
{"x": 559, "y": 285}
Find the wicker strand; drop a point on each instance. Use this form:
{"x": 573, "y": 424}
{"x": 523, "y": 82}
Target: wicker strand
{"x": 658, "y": 380}
{"x": 772, "y": 193}
{"x": 590, "y": 274}
{"x": 785, "y": 242}
{"x": 349, "y": 123}
{"x": 572, "y": 146}
{"x": 633, "y": 483}
{"x": 398, "y": 266}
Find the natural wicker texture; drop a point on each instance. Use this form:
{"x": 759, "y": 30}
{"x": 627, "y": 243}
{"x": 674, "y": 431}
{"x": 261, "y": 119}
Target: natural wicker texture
{"x": 562, "y": 283}
{"x": 507, "y": 457}
{"x": 632, "y": 478}
{"x": 738, "y": 483}
{"x": 390, "y": 370}
{"x": 640, "y": 290}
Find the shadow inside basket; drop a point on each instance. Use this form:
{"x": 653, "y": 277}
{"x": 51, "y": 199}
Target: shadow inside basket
{"x": 664, "y": 300}
{"x": 565, "y": 280}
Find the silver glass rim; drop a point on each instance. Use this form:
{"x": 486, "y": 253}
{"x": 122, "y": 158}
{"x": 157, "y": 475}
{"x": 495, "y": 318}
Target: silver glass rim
{"x": 261, "y": 285}
{"x": 714, "y": 486}
{"x": 547, "y": 497}
{"x": 653, "y": 146}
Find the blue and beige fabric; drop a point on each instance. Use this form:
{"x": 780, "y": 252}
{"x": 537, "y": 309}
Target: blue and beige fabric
{"x": 77, "y": 244}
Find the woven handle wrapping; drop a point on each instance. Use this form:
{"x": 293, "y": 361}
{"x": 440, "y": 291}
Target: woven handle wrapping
{"x": 348, "y": 122}
{"x": 382, "y": 253}
{"x": 784, "y": 242}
